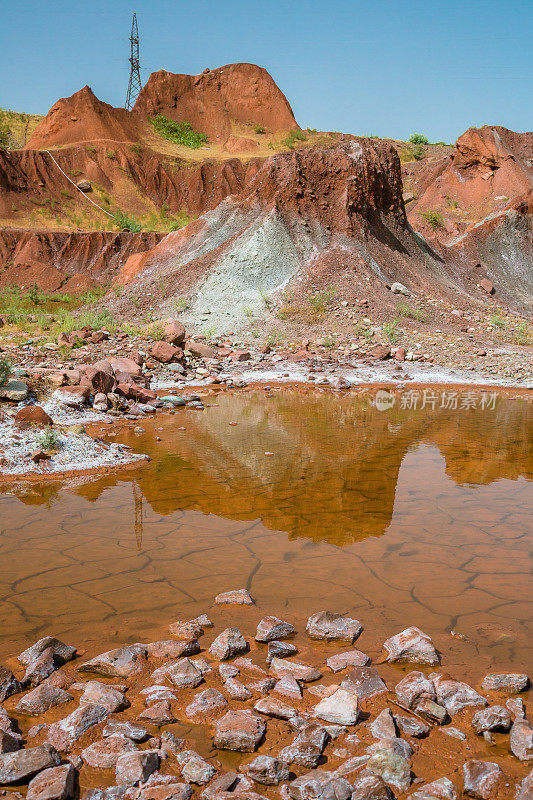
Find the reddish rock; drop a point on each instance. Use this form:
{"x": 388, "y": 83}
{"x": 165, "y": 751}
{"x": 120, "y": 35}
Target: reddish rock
{"x": 32, "y": 415}
{"x": 97, "y": 380}
{"x": 40, "y": 455}
{"x": 55, "y": 783}
{"x": 133, "y": 392}
{"x": 199, "y": 349}
{"x": 400, "y": 354}
{"x": 166, "y": 352}
{"x": 486, "y": 285}
{"x": 99, "y": 336}
{"x": 63, "y": 339}
{"x": 381, "y": 352}
{"x": 78, "y": 336}
{"x": 241, "y": 355}
{"x": 124, "y": 365}
{"x": 173, "y": 331}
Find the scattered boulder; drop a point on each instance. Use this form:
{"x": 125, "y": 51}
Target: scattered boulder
{"x": 206, "y": 704}
{"x": 353, "y": 658}
{"x": 132, "y": 730}
{"x": 521, "y": 740}
{"x": 442, "y": 788}
{"x": 103, "y": 695}
{"x": 381, "y": 352}
{"x": 511, "y": 682}
{"x": 328, "y": 625}
{"x": 237, "y": 597}
{"x": 266, "y": 770}
{"x": 199, "y": 349}
{"x": 431, "y": 711}
{"x": 383, "y": 726}
{"x": 289, "y": 687}
{"x": 524, "y": 790}
{"x": 54, "y": 783}
{"x": 455, "y": 695}
{"x": 411, "y": 645}
{"x": 399, "y": 288}
{"x": 495, "y": 718}
{"x": 184, "y": 673}
{"x": 18, "y": 767}
{"x": 365, "y": 682}
{"x": 105, "y": 753}
{"x": 368, "y": 786}
{"x": 134, "y": 768}
{"x": 158, "y": 714}
{"x": 414, "y": 687}
{"x": 165, "y": 352}
{"x": 173, "y": 331}
{"x": 239, "y": 730}
{"x": 32, "y": 416}
{"x": 411, "y": 727}
{"x": 42, "y": 699}
{"x": 340, "y": 708}
{"x": 390, "y": 758}
{"x": 195, "y": 769}
{"x": 120, "y": 663}
{"x": 481, "y": 778}
{"x": 301, "y": 672}
{"x": 9, "y": 685}
{"x": 14, "y": 390}
{"x": 170, "y": 648}
{"x": 308, "y": 746}
{"x": 320, "y": 785}
{"x": 274, "y": 708}
{"x": 65, "y": 732}
{"x": 272, "y": 628}
{"x": 228, "y": 644}
{"x": 280, "y": 650}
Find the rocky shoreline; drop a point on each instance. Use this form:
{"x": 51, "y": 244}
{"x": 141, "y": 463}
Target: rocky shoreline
{"x": 259, "y": 709}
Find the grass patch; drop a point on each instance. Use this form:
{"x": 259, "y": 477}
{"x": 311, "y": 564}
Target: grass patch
{"x": 293, "y": 137}
{"x": 48, "y": 439}
{"x": 524, "y": 334}
{"x": 433, "y": 218}
{"x": 405, "y": 310}
{"x": 497, "y": 321}
{"x": 259, "y": 128}
{"x": 125, "y": 222}
{"x": 390, "y": 329}
{"x": 5, "y": 370}
{"x": 178, "y": 132}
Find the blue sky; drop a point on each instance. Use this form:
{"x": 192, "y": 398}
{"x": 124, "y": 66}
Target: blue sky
{"x": 375, "y": 67}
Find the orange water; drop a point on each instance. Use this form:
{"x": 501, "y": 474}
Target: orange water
{"x": 403, "y": 516}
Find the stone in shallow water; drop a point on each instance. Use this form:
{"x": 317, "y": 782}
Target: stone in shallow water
{"x": 40, "y": 668}
{"x": 186, "y": 631}
{"x": 389, "y": 758}
{"x": 280, "y": 650}
{"x": 206, "y": 704}
{"x": 274, "y": 708}
{"x": 366, "y": 682}
{"x": 330, "y": 626}
{"x": 307, "y": 747}
{"x": 413, "y": 687}
{"x": 170, "y": 648}
{"x": 166, "y": 791}
{"x": 495, "y": 718}
{"x": 368, "y": 786}
{"x": 511, "y": 682}
{"x": 65, "y": 732}
{"x": 239, "y": 730}
{"x": 263, "y": 687}
{"x": 134, "y": 768}
{"x": 228, "y": 644}
{"x": 248, "y": 665}
{"x": 481, "y": 778}
{"x": 62, "y": 652}
{"x": 289, "y": 687}
{"x": 412, "y": 645}
{"x": 158, "y": 714}
{"x": 320, "y": 785}
{"x": 267, "y": 770}
{"x": 237, "y": 690}
{"x": 272, "y": 628}
{"x": 195, "y": 769}
{"x": 443, "y": 789}
{"x": 383, "y": 726}
{"x": 105, "y": 753}
{"x": 239, "y": 597}
{"x": 103, "y": 695}
{"x": 521, "y": 740}
{"x": 18, "y": 767}
{"x": 431, "y": 711}
{"x": 301, "y": 672}
{"x": 119, "y": 663}
{"x": 455, "y": 695}
{"x": 341, "y": 708}
{"x": 42, "y": 699}
{"x": 411, "y": 727}
{"x": 352, "y": 658}
{"x": 153, "y": 694}
{"x": 131, "y": 730}
{"x": 184, "y": 673}
{"x": 54, "y": 783}
{"x": 9, "y": 685}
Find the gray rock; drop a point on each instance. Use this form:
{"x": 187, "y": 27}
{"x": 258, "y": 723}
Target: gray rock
{"x": 272, "y": 628}
{"x": 320, "y": 785}
{"x": 227, "y": 671}
{"x": 411, "y": 727}
{"x": 153, "y": 694}
{"x": 431, "y": 711}
{"x": 383, "y": 726}
{"x": 289, "y": 687}
{"x": 228, "y": 644}
{"x": 280, "y": 650}
{"x": 65, "y": 732}
{"x": 206, "y": 704}
{"x": 14, "y": 390}
{"x": 54, "y": 783}
{"x": 300, "y": 672}
{"x": 136, "y": 767}
{"x": 9, "y": 741}
{"x": 105, "y": 753}
{"x": 495, "y": 718}
{"x": 266, "y": 770}
{"x": 481, "y": 778}
{"x": 389, "y": 758}
{"x": 521, "y": 740}
{"x": 239, "y": 597}
{"x": 18, "y": 767}
{"x": 455, "y": 695}
{"x": 274, "y": 708}
{"x": 158, "y": 714}
{"x": 368, "y": 786}
{"x": 133, "y": 731}
{"x": 516, "y": 707}
{"x": 341, "y": 708}
{"x": 185, "y": 673}
{"x": 239, "y": 730}
{"x": 103, "y": 695}
{"x": 455, "y": 733}
{"x": 413, "y": 687}
{"x": 353, "y": 658}
{"x": 9, "y": 685}
{"x": 248, "y": 665}
{"x": 399, "y": 288}
{"x": 120, "y": 663}
{"x": 511, "y": 682}
{"x": 42, "y": 699}
{"x": 328, "y": 625}
{"x": 366, "y": 682}
{"x": 411, "y": 645}
{"x": 170, "y": 648}
{"x": 443, "y": 789}
{"x": 186, "y": 631}
{"x": 223, "y": 783}
{"x": 524, "y": 790}
{"x": 237, "y": 690}
{"x": 195, "y": 769}
{"x": 166, "y": 791}
{"x": 111, "y": 793}
{"x": 62, "y": 652}
{"x": 307, "y": 747}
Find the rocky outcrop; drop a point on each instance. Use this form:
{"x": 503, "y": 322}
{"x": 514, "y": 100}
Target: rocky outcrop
{"x": 212, "y": 101}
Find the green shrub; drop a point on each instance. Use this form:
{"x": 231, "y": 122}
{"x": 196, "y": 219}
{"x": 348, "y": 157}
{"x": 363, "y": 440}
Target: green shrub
{"x": 259, "y": 128}
{"x": 123, "y": 221}
{"x": 5, "y": 370}
{"x": 48, "y": 439}
{"x": 137, "y": 149}
{"x": 433, "y": 218}
{"x": 178, "y": 132}
{"x": 405, "y": 310}
{"x": 391, "y": 332}
{"x": 418, "y": 138}
{"x": 418, "y": 152}
{"x": 293, "y": 137}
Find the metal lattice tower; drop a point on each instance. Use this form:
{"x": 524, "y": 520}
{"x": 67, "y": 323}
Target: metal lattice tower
{"x": 134, "y": 85}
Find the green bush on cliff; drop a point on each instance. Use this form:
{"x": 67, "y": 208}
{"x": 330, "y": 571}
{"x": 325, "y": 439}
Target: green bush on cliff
{"x": 178, "y": 132}
{"x": 418, "y": 138}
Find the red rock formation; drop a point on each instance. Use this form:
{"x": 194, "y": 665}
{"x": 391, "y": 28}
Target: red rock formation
{"x": 212, "y": 101}
{"x": 82, "y": 117}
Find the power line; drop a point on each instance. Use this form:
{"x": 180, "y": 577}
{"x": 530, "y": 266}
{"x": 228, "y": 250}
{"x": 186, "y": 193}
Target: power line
{"x": 134, "y": 85}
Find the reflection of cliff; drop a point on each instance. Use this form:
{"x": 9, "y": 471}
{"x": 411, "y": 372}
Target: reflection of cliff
{"x": 336, "y": 459}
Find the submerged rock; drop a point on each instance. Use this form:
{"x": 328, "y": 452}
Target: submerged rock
{"x": 239, "y": 597}
{"x": 330, "y": 626}
{"x": 120, "y": 663}
{"x": 412, "y": 645}
{"x": 272, "y": 628}
{"x": 280, "y": 650}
